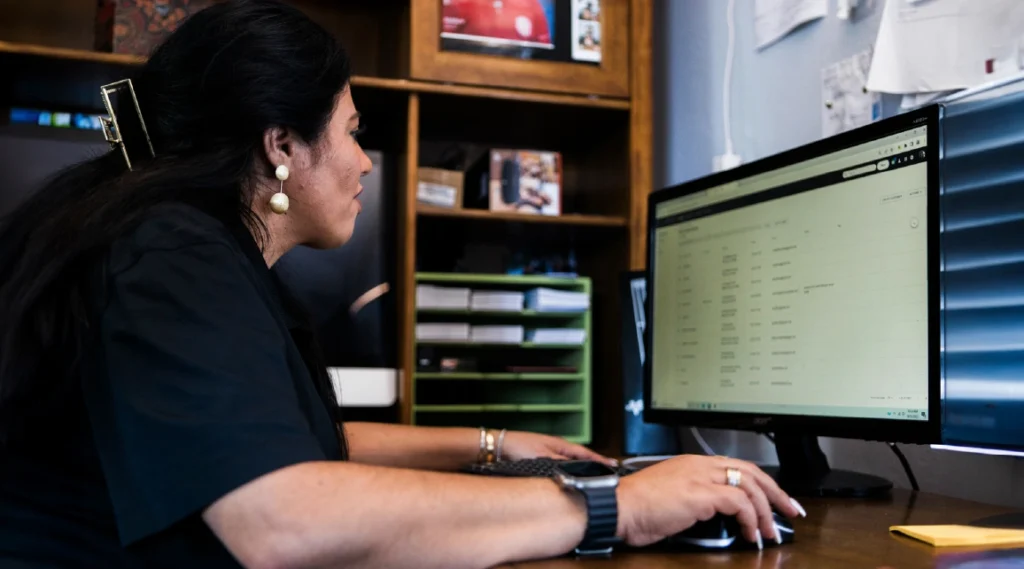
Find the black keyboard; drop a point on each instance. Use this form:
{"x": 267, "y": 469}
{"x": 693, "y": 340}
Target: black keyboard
{"x": 527, "y": 467}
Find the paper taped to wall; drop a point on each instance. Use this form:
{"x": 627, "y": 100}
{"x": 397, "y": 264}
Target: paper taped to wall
{"x": 773, "y": 19}
{"x": 845, "y": 100}
{"x": 926, "y": 46}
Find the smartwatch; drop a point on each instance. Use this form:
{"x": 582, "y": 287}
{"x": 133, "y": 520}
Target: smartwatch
{"x": 597, "y": 483}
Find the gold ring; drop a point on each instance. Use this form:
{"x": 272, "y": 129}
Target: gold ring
{"x": 733, "y": 477}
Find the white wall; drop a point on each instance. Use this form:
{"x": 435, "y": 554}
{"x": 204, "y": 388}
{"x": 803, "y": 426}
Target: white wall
{"x": 776, "y": 105}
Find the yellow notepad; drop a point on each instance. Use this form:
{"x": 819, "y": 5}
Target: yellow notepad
{"x": 961, "y": 536}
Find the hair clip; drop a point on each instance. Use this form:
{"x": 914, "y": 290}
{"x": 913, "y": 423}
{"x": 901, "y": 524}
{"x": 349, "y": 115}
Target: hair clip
{"x": 111, "y": 128}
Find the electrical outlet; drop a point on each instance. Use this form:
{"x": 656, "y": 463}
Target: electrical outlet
{"x": 726, "y": 162}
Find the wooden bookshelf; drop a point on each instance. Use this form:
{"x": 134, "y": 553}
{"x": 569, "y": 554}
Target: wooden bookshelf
{"x": 604, "y": 136}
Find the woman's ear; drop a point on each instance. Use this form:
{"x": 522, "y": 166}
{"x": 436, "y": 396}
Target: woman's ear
{"x": 278, "y": 146}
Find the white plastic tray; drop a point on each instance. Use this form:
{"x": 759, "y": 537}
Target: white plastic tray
{"x": 365, "y": 387}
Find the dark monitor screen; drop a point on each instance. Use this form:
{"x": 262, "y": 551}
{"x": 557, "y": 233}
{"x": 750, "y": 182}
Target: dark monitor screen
{"x": 29, "y": 155}
{"x": 983, "y": 274}
{"x": 640, "y": 437}
{"x": 800, "y": 292}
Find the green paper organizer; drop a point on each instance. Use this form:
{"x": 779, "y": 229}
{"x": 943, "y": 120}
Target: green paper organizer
{"x": 552, "y": 403}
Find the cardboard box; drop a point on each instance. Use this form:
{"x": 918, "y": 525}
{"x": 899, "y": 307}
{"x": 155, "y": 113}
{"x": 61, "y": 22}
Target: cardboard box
{"x": 439, "y": 188}
{"x": 137, "y": 27}
{"x": 525, "y": 181}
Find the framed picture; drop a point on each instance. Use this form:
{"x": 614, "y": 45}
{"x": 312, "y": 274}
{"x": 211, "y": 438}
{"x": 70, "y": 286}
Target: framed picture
{"x": 544, "y": 30}
{"x": 525, "y": 181}
{"x": 570, "y": 46}
{"x": 586, "y": 30}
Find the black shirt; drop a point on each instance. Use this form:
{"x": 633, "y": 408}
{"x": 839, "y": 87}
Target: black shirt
{"x": 194, "y": 386}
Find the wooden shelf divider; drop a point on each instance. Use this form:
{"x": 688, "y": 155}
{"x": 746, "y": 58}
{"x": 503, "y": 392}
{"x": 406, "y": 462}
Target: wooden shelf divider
{"x": 566, "y": 219}
{"x": 71, "y": 54}
{"x": 407, "y": 85}
{"x": 491, "y": 93}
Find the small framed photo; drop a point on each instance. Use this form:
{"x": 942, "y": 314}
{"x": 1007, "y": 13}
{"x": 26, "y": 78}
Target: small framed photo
{"x": 525, "y": 181}
{"x": 565, "y": 31}
{"x": 586, "y": 30}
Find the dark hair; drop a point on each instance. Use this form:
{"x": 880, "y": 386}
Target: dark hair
{"x": 207, "y": 95}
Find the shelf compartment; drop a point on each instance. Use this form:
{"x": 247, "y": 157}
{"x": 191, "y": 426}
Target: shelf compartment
{"x": 472, "y": 376}
{"x": 531, "y": 314}
{"x": 484, "y": 346}
{"x": 502, "y": 408}
{"x": 593, "y": 144}
{"x": 503, "y": 281}
{"x": 567, "y": 422}
{"x": 518, "y": 394}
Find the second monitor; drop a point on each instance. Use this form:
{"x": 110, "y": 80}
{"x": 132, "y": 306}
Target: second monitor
{"x": 799, "y": 295}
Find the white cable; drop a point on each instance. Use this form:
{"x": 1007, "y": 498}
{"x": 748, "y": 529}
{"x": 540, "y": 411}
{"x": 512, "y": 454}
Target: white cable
{"x": 730, "y": 54}
{"x": 704, "y": 446}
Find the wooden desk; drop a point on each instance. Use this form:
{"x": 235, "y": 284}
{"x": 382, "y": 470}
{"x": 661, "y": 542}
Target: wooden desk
{"x": 835, "y": 535}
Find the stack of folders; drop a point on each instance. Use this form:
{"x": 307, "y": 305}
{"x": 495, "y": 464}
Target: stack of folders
{"x": 496, "y": 334}
{"x": 552, "y": 300}
{"x": 567, "y": 336}
{"x": 496, "y": 301}
{"x": 442, "y": 332}
{"x": 442, "y": 298}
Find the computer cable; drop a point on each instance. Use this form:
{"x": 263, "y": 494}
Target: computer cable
{"x": 730, "y": 56}
{"x": 704, "y": 446}
{"x": 906, "y": 466}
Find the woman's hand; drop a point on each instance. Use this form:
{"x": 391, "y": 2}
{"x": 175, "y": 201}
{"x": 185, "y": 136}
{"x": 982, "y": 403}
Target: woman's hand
{"x": 519, "y": 445}
{"x": 669, "y": 497}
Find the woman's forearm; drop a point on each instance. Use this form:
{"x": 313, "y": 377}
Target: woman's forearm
{"x": 404, "y": 446}
{"x": 351, "y": 515}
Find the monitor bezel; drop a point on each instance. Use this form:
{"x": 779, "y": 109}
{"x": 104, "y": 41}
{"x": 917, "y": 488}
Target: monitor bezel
{"x": 890, "y": 430}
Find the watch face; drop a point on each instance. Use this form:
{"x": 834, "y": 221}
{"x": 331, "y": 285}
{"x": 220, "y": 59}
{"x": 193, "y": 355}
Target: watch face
{"x": 585, "y": 468}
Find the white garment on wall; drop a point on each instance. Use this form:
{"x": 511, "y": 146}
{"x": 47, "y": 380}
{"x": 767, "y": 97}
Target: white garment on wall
{"x": 773, "y": 19}
{"x": 926, "y": 46}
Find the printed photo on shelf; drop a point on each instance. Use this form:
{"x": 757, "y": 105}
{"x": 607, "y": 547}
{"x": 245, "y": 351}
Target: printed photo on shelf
{"x": 544, "y": 30}
{"x": 586, "y": 30}
{"x": 525, "y": 181}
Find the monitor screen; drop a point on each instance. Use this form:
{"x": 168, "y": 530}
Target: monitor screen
{"x": 801, "y": 290}
{"x": 983, "y": 272}
{"x": 29, "y": 156}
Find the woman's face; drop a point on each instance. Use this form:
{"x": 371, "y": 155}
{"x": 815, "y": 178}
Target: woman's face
{"x": 324, "y": 185}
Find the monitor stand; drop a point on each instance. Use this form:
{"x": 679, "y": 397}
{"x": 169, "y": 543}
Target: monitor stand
{"x": 804, "y": 471}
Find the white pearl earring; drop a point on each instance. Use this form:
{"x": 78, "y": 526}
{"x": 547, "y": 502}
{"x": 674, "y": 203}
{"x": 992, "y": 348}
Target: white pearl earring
{"x": 279, "y": 201}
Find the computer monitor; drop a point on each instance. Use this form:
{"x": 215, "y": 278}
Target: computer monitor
{"x": 983, "y": 268}
{"x": 29, "y": 155}
{"x": 640, "y": 438}
{"x": 799, "y": 295}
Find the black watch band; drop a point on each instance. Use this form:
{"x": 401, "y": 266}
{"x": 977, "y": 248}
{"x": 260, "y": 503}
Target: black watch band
{"x": 602, "y": 521}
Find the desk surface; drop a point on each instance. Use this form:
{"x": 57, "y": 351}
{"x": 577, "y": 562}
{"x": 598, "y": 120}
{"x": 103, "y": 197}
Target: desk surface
{"x": 836, "y": 534}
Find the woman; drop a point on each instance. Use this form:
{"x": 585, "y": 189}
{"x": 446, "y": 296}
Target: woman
{"x": 163, "y": 405}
